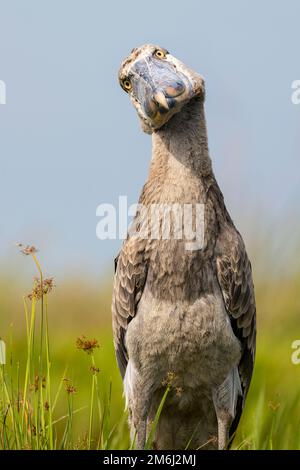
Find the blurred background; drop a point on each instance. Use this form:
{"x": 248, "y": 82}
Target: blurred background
{"x": 70, "y": 140}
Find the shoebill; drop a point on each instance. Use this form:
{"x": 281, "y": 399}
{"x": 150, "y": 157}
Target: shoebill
{"x": 183, "y": 314}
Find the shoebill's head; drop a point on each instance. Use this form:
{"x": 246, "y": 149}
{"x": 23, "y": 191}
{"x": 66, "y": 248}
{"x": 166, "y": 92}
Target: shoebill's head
{"x": 159, "y": 85}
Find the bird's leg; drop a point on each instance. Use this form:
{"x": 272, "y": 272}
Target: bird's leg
{"x": 140, "y": 412}
{"x": 141, "y": 425}
{"x": 141, "y": 434}
{"x": 225, "y": 399}
{"x": 224, "y": 422}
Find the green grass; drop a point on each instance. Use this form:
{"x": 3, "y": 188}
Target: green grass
{"x": 52, "y": 395}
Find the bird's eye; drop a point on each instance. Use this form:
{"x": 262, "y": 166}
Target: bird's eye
{"x": 126, "y": 84}
{"x": 159, "y": 54}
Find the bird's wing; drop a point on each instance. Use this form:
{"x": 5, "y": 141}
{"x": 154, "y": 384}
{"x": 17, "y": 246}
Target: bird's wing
{"x": 129, "y": 281}
{"x": 235, "y": 279}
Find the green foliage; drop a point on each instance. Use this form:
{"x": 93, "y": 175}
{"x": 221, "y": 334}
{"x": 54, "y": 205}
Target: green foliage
{"x": 58, "y": 390}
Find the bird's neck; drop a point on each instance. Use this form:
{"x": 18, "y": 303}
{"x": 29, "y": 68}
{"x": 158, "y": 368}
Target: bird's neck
{"x": 182, "y": 143}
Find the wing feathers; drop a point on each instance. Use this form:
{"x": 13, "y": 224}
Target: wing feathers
{"x": 129, "y": 281}
{"x": 235, "y": 279}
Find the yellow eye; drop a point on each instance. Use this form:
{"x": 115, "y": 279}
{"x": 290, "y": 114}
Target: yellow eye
{"x": 126, "y": 84}
{"x": 159, "y": 54}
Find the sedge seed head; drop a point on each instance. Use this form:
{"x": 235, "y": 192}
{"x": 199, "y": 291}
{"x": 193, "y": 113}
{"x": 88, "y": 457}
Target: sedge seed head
{"x": 41, "y": 288}
{"x": 27, "y": 249}
{"x": 87, "y": 345}
{"x": 70, "y": 389}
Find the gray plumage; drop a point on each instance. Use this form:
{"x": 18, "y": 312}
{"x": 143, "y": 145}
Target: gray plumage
{"x": 188, "y": 313}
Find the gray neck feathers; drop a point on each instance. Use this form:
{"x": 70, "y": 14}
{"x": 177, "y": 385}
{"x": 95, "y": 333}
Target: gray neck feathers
{"x": 183, "y": 141}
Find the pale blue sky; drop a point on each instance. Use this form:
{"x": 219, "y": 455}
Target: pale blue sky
{"x": 70, "y": 139}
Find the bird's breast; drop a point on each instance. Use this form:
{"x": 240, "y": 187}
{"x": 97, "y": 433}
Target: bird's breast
{"x": 192, "y": 339}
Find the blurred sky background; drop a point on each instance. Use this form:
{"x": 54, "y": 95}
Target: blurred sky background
{"x": 70, "y": 139}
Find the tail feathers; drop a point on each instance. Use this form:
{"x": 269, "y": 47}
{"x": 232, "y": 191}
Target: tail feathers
{"x": 226, "y": 395}
{"x": 128, "y": 382}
